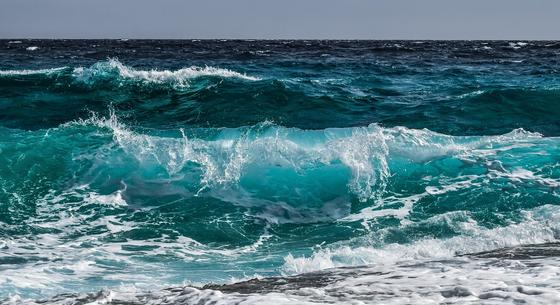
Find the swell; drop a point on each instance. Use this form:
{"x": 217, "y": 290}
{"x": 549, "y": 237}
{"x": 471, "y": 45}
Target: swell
{"x": 532, "y": 108}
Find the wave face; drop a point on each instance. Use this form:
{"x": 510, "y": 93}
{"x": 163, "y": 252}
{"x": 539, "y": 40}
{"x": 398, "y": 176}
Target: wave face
{"x": 332, "y": 164}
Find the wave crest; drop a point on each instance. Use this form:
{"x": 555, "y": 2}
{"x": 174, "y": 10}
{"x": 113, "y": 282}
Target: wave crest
{"x": 113, "y": 71}
{"x": 107, "y": 70}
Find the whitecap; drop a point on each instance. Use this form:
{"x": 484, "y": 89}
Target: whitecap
{"x": 471, "y": 94}
{"x": 517, "y": 45}
{"x": 179, "y": 78}
{"x": 31, "y": 72}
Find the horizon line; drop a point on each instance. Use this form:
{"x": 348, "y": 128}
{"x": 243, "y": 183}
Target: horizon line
{"x": 284, "y": 39}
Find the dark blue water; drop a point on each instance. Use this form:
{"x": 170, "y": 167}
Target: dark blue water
{"x": 161, "y": 163}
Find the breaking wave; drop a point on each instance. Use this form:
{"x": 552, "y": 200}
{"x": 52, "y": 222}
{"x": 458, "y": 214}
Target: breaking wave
{"x": 114, "y": 69}
{"x": 114, "y": 72}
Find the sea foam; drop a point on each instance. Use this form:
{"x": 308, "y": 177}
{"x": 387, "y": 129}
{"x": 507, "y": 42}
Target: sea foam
{"x": 6, "y": 73}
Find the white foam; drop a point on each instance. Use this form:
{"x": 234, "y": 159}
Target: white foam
{"x": 380, "y": 209}
{"x": 31, "y": 72}
{"x": 453, "y": 281}
{"x": 471, "y": 94}
{"x": 517, "y": 45}
{"x": 519, "y": 174}
{"x": 114, "y": 199}
{"x": 541, "y": 226}
{"x": 32, "y": 48}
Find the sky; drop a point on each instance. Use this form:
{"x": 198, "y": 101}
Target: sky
{"x": 281, "y": 19}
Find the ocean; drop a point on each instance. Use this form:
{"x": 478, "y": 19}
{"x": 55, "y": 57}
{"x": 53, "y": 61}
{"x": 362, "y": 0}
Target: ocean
{"x": 279, "y": 172}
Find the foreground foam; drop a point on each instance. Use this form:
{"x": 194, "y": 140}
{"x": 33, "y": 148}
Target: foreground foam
{"x": 457, "y": 280}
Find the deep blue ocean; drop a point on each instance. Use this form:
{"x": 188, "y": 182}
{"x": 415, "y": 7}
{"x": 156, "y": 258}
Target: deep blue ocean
{"x": 139, "y": 171}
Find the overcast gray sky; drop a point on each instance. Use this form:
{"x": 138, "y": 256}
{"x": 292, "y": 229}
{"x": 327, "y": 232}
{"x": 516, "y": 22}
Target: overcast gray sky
{"x": 346, "y": 19}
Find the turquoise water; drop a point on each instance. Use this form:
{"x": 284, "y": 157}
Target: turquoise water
{"x": 214, "y": 161}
